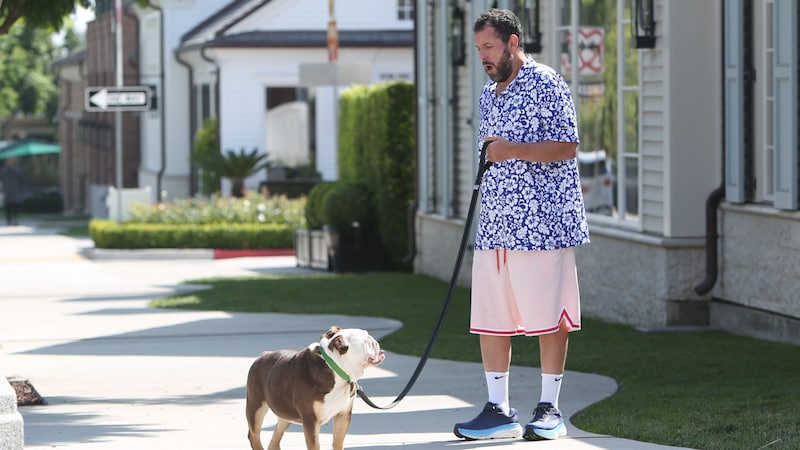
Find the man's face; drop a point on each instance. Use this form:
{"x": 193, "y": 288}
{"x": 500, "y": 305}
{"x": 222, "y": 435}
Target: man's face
{"x": 494, "y": 54}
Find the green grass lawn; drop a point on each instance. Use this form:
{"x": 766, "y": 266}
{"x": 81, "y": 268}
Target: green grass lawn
{"x": 701, "y": 389}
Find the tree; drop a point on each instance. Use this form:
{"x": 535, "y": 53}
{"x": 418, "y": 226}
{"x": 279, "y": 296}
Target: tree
{"x": 72, "y": 40}
{"x": 231, "y": 165}
{"x": 45, "y": 14}
{"x": 238, "y": 166}
{"x": 27, "y": 83}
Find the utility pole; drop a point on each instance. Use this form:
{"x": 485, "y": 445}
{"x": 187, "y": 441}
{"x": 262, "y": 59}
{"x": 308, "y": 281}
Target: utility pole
{"x": 118, "y": 113}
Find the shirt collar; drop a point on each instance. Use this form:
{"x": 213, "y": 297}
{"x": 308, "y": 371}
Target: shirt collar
{"x": 524, "y": 74}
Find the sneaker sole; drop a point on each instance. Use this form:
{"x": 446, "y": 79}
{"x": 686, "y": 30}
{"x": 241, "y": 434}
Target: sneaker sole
{"x": 511, "y": 431}
{"x": 539, "y": 434}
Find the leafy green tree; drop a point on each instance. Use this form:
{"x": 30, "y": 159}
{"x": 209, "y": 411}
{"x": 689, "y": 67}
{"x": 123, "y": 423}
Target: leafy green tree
{"x": 27, "y": 83}
{"x": 44, "y": 14}
{"x": 72, "y": 40}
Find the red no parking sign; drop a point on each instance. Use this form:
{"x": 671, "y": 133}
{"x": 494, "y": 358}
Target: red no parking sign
{"x": 590, "y": 50}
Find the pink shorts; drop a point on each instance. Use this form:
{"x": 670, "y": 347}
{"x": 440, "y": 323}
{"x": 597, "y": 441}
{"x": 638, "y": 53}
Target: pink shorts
{"x": 524, "y": 292}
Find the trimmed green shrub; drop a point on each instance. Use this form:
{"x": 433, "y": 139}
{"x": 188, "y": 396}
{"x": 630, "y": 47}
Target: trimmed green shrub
{"x": 43, "y": 202}
{"x": 313, "y": 209}
{"x": 109, "y": 234}
{"x": 377, "y": 148}
{"x": 353, "y": 154}
{"x": 345, "y": 203}
{"x": 397, "y": 167}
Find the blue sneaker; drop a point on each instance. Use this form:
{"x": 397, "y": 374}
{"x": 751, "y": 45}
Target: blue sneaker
{"x": 491, "y": 423}
{"x": 546, "y": 424}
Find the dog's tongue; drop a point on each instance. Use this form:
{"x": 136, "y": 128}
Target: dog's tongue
{"x": 378, "y": 359}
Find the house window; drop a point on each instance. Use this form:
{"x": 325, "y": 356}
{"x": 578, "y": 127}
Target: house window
{"x": 761, "y": 95}
{"x": 606, "y": 94}
{"x": 205, "y": 102}
{"x": 528, "y": 13}
{"x": 103, "y": 6}
{"x": 405, "y": 9}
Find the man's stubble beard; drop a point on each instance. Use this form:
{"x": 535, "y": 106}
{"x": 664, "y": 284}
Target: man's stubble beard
{"x": 504, "y": 68}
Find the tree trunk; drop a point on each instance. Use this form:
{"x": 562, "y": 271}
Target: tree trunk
{"x": 238, "y": 188}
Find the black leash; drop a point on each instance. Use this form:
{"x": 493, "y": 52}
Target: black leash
{"x": 464, "y": 237}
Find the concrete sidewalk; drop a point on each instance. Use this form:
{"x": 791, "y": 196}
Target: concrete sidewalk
{"x": 116, "y": 374}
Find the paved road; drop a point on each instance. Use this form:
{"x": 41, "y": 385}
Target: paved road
{"x": 116, "y": 374}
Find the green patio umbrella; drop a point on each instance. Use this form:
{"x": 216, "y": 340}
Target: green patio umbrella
{"x": 25, "y": 147}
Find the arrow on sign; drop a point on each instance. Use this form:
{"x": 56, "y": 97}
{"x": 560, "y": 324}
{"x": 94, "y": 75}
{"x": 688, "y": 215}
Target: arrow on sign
{"x": 125, "y": 98}
{"x": 99, "y": 99}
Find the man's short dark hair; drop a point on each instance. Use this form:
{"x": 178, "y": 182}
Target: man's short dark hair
{"x": 504, "y": 22}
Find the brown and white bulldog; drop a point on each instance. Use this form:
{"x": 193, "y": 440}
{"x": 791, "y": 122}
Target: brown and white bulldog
{"x": 310, "y": 386}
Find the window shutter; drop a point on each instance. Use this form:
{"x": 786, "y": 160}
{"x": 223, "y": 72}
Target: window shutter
{"x": 786, "y": 123}
{"x": 734, "y": 102}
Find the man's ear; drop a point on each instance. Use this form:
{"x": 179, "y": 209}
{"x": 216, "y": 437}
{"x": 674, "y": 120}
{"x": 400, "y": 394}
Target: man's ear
{"x": 513, "y": 40}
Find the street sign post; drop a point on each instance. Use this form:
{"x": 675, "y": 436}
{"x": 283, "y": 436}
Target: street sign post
{"x": 122, "y": 98}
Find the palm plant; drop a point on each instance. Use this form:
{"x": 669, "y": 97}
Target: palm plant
{"x": 238, "y": 166}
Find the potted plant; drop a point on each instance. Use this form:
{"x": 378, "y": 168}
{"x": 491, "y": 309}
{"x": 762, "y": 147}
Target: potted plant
{"x": 309, "y": 242}
{"x": 347, "y": 216}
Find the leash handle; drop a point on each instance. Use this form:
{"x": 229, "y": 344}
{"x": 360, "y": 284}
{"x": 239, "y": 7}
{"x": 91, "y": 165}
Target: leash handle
{"x": 483, "y": 165}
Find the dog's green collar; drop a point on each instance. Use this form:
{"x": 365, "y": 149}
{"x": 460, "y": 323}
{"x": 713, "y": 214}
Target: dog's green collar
{"x": 332, "y": 364}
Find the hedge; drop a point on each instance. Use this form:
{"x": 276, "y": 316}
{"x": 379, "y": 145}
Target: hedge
{"x": 376, "y": 148}
{"x": 43, "y": 202}
{"x": 109, "y": 234}
{"x": 314, "y": 204}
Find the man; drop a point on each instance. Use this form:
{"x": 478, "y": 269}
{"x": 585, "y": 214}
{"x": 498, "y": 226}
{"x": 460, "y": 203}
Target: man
{"x": 15, "y": 191}
{"x": 524, "y": 280}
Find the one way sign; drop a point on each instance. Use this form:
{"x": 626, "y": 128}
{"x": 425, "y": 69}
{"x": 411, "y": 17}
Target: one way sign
{"x": 122, "y": 98}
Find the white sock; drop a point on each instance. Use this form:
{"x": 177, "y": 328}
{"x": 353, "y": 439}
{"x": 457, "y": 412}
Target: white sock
{"x": 551, "y": 387}
{"x": 497, "y": 384}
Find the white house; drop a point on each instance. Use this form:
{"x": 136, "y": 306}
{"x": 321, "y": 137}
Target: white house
{"x": 240, "y": 59}
{"x": 166, "y": 131}
{"x": 700, "y": 139}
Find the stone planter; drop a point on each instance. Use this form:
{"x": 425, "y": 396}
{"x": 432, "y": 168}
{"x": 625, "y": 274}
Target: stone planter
{"x": 311, "y": 249}
{"x": 347, "y": 249}
{"x": 339, "y": 249}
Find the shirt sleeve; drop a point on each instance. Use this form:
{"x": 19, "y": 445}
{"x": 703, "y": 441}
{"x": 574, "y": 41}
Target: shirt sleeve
{"x": 563, "y": 124}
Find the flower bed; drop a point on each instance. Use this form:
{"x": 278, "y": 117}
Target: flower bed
{"x": 253, "y": 222}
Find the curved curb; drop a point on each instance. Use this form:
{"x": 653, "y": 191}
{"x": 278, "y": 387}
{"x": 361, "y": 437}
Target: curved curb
{"x": 11, "y": 426}
{"x": 106, "y": 254}
{"x": 222, "y": 253}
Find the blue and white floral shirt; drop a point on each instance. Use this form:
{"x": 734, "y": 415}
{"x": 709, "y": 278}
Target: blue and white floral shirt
{"x": 530, "y": 205}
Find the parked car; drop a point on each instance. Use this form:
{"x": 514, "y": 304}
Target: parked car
{"x": 596, "y": 182}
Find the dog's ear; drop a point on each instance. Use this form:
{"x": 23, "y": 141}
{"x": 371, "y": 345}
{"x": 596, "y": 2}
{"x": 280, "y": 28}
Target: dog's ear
{"x": 331, "y": 332}
{"x": 338, "y": 344}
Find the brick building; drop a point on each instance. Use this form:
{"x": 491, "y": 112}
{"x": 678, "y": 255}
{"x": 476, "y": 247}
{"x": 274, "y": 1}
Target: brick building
{"x": 88, "y": 153}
